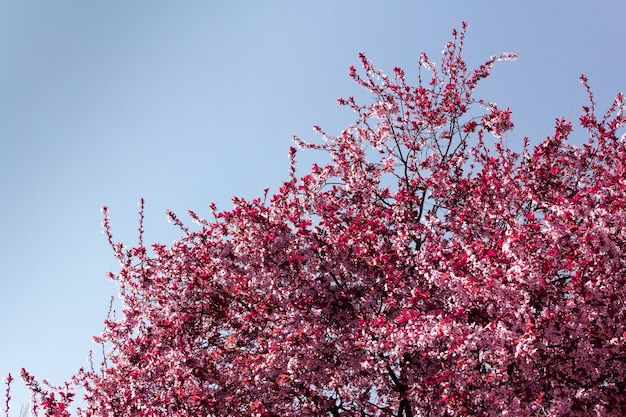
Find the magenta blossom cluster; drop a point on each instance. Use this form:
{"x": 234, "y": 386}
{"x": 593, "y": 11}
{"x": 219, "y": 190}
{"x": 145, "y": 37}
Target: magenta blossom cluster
{"x": 426, "y": 270}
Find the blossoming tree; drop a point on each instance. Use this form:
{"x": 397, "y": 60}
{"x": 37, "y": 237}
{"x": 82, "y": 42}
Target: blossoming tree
{"x": 426, "y": 270}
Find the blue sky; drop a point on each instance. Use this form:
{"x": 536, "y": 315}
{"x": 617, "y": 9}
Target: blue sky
{"x": 184, "y": 103}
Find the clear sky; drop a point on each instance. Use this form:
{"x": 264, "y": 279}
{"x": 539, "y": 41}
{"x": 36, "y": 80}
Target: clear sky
{"x": 184, "y": 103}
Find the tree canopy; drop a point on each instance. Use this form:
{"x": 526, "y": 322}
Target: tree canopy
{"x": 428, "y": 269}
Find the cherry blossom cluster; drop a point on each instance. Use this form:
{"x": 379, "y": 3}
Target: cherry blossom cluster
{"x": 426, "y": 270}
